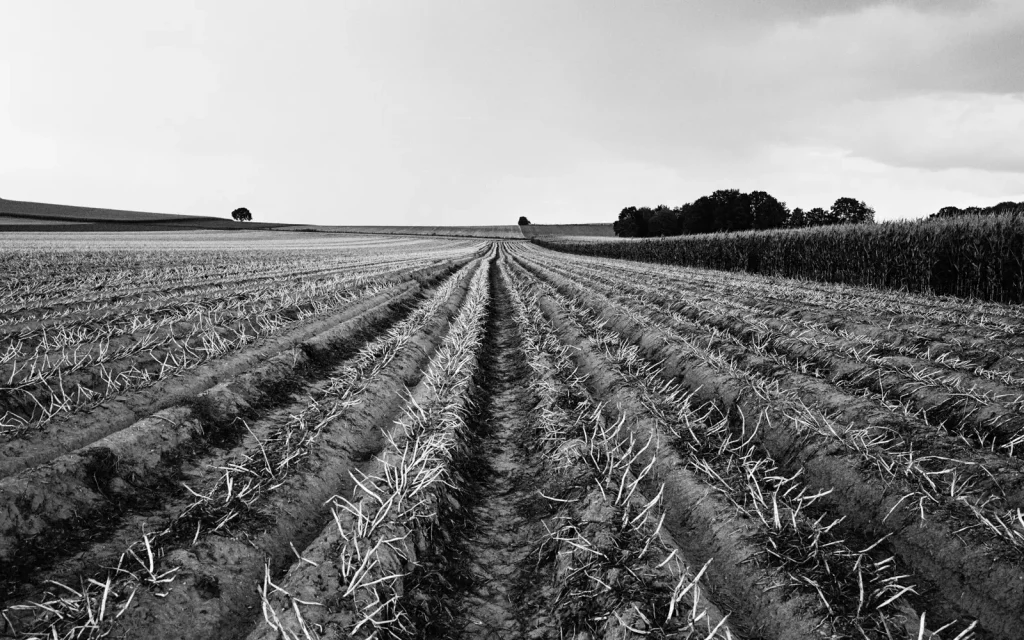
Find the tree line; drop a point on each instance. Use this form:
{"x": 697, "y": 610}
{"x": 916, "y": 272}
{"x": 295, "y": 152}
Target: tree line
{"x": 733, "y": 210}
{"x": 995, "y": 210}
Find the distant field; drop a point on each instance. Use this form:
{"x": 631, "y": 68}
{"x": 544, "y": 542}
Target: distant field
{"x": 503, "y": 231}
{"x": 6, "y": 221}
{"x": 19, "y": 216}
{"x": 507, "y": 231}
{"x": 45, "y": 211}
{"x": 603, "y": 229}
{"x": 16, "y": 215}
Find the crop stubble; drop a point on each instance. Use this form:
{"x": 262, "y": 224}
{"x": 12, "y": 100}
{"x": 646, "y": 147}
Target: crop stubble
{"x": 494, "y": 440}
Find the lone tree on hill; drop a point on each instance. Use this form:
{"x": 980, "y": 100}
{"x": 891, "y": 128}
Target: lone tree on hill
{"x": 523, "y": 220}
{"x": 241, "y": 214}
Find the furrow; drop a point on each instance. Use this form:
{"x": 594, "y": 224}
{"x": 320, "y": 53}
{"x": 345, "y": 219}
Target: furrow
{"x": 767, "y": 573}
{"x": 307, "y": 343}
{"x": 258, "y": 503}
{"x": 350, "y": 580}
{"x": 947, "y": 544}
{"x": 613, "y": 569}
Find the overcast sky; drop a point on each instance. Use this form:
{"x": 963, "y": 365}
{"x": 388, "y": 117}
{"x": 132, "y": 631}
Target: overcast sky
{"x": 478, "y": 111}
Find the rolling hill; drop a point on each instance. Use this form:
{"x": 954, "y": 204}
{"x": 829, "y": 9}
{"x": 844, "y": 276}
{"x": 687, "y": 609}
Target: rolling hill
{"x": 17, "y": 215}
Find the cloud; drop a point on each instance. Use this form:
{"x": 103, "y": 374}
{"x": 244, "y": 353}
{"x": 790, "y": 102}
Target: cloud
{"x": 943, "y": 131}
{"x": 912, "y": 84}
{"x": 890, "y": 49}
{"x": 816, "y": 176}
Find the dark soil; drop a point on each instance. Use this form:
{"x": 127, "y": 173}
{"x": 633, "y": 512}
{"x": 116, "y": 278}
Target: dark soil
{"x": 485, "y": 582}
{"x": 962, "y": 580}
{"x": 120, "y": 491}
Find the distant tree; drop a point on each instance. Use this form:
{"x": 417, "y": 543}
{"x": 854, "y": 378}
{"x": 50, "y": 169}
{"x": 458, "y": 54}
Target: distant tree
{"x": 628, "y": 225}
{"x": 643, "y": 221}
{"x": 732, "y": 211}
{"x": 685, "y": 216}
{"x": 700, "y": 216}
{"x": 767, "y": 211}
{"x": 948, "y": 212}
{"x": 797, "y": 218}
{"x": 663, "y": 222}
{"x": 849, "y": 210}
{"x": 523, "y": 221}
{"x": 241, "y": 214}
{"x": 816, "y": 217}
{"x": 1007, "y": 207}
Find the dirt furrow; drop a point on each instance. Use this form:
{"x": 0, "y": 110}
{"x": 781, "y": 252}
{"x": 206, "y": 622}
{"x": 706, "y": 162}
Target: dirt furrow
{"x": 118, "y": 299}
{"x": 313, "y": 340}
{"x": 928, "y": 329}
{"x": 349, "y": 581}
{"x": 222, "y": 539}
{"x": 880, "y": 336}
{"x": 706, "y": 528}
{"x": 504, "y": 442}
{"x": 959, "y": 401}
{"x": 29, "y": 410}
{"x": 607, "y": 567}
{"x": 488, "y": 559}
{"x": 499, "y": 542}
{"x": 992, "y": 475}
{"x": 957, "y": 578}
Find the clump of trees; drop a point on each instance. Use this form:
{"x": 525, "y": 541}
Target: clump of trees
{"x": 995, "y": 210}
{"x": 733, "y": 210}
{"x": 523, "y": 221}
{"x": 241, "y": 214}
{"x": 843, "y": 211}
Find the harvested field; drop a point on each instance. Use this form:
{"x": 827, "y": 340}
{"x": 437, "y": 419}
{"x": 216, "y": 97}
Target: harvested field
{"x": 266, "y": 436}
{"x": 598, "y": 229}
{"x": 512, "y": 232}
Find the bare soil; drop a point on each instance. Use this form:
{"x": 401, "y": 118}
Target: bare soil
{"x": 484, "y": 582}
{"x": 529, "y": 535}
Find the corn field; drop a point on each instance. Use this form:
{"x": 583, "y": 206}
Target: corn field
{"x": 304, "y": 436}
{"x": 970, "y": 257}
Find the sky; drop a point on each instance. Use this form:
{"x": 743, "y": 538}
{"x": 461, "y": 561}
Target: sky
{"x": 475, "y": 112}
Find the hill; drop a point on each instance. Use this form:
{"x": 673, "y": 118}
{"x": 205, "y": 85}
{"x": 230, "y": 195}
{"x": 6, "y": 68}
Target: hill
{"x": 17, "y": 215}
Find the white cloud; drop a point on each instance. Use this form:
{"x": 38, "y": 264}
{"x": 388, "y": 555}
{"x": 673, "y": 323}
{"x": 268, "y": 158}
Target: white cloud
{"x": 819, "y": 175}
{"x": 974, "y": 131}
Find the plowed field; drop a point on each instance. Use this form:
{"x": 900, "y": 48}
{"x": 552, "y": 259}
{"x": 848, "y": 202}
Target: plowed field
{"x": 306, "y": 436}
